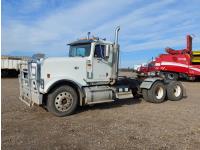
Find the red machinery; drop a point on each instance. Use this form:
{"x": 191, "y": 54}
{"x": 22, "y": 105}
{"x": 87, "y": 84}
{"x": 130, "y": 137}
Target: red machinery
{"x": 143, "y": 70}
{"x": 176, "y": 64}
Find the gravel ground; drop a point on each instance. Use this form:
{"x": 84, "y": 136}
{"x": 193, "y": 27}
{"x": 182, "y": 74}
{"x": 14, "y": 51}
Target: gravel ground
{"x": 126, "y": 124}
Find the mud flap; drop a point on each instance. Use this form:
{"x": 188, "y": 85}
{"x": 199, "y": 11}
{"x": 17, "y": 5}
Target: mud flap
{"x": 148, "y": 82}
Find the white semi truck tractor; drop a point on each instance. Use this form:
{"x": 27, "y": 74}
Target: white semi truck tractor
{"x": 88, "y": 76}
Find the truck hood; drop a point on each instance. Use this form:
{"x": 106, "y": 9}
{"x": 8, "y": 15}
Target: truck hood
{"x": 70, "y": 68}
{"x": 64, "y": 59}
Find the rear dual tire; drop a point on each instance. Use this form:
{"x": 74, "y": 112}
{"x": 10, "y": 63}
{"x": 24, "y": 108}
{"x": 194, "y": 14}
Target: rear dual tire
{"x": 175, "y": 91}
{"x": 159, "y": 92}
{"x": 156, "y": 94}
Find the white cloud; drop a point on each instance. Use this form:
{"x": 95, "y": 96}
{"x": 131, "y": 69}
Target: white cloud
{"x": 147, "y": 26}
{"x": 28, "y": 6}
{"x": 57, "y": 26}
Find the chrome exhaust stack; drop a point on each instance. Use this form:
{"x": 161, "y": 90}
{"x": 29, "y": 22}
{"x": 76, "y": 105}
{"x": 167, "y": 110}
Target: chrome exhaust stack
{"x": 116, "y": 35}
{"x": 115, "y": 57}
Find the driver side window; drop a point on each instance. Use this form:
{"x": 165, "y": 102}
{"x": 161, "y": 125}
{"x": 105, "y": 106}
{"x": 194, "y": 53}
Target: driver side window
{"x": 80, "y": 51}
{"x": 99, "y": 51}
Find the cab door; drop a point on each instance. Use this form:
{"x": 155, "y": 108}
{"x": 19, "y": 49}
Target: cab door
{"x": 101, "y": 65}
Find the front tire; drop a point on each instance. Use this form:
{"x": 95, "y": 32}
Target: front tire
{"x": 62, "y": 101}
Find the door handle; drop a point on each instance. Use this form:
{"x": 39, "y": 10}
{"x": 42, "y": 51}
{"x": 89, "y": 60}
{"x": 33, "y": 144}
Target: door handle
{"x": 76, "y": 67}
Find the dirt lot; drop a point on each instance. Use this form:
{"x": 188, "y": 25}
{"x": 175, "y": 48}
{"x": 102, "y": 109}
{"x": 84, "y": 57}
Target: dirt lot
{"x": 128, "y": 124}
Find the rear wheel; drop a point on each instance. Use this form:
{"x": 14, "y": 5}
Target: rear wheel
{"x": 62, "y": 101}
{"x": 157, "y": 93}
{"x": 175, "y": 91}
{"x": 145, "y": 94}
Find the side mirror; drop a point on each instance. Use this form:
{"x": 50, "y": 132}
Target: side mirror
{"x": 107, "y": 52}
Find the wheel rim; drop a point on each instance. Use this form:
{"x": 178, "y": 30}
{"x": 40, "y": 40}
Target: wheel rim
{"x": 177, "y": 91}
{"x": 63, "y": 101}
{"x": 159, "y": 92}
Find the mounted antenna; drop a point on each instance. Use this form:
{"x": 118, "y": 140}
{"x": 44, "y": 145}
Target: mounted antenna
{"x": 88, "y": 35}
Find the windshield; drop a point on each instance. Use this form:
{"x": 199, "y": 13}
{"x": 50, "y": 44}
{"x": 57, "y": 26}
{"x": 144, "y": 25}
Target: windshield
{"x": 82, "y": 50}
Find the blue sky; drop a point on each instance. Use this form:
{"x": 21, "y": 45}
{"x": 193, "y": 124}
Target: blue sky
{"x": 147, "y": 27}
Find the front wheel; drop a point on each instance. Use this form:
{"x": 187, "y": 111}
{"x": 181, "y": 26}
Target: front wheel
{"x": 62, "y": 101}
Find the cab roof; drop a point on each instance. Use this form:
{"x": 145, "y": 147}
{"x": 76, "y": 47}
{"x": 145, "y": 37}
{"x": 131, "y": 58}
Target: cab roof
{"x": 84, "y": 41}
{"x": 88, "y": 41}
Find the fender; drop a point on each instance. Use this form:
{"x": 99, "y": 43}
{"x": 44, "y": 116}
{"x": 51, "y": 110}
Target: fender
{"x": 148, "y": 82}
{"x": 58, "y": 80}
